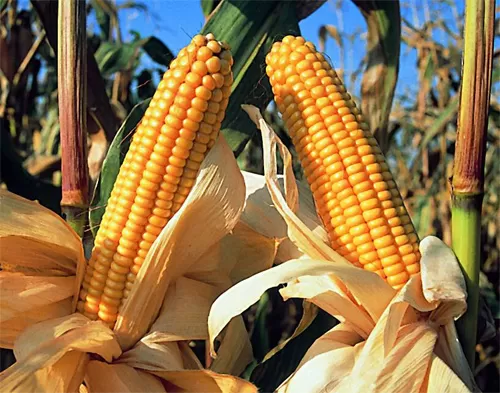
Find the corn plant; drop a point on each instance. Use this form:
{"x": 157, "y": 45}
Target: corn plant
{"x": 377, "y": 183}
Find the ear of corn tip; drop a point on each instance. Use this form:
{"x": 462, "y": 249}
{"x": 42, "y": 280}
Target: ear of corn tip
{"x": 179, "y": 127}
{"x": 355, "y": 193}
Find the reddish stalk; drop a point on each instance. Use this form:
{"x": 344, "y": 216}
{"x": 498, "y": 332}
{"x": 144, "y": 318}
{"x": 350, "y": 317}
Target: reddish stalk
{"x": 72, "y": 82}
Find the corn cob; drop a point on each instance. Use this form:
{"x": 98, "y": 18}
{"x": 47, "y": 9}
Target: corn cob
{"x": 180, "y": 125}
{"x": 354, "y": 191}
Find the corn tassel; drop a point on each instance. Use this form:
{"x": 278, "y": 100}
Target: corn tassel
{"x": 180, "y": 125}
{"x": 354, "y": 191}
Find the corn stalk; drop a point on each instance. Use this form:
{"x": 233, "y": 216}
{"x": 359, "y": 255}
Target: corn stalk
{"x": 72, "y": 82}
{"x": 100, "y": 112}
{"x": 468, "y": 172}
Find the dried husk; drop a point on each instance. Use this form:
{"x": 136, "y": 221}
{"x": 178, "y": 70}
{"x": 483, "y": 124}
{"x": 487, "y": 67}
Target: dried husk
{"x": 169, "y": 306}
{"x": 40, "y": 256}
{"x": 387, "y": 341}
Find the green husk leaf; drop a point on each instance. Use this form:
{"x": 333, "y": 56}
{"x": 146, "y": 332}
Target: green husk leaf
{"x": 112, "y": 163}
{"x": 250, "y": 31}
{"x": 207, "y": 6}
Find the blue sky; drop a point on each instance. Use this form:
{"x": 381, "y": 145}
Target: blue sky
{"x": 176, "y": 21}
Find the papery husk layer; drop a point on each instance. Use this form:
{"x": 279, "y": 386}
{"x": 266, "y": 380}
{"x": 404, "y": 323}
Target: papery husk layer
{"x": 147, "y": 350}
{"x": 387, "y": 341}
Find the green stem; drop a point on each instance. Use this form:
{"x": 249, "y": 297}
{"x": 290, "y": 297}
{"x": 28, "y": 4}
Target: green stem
{"x": 76, "y": 217}
{"x": 466, "y": 229}
{"x": 470, "y": 148}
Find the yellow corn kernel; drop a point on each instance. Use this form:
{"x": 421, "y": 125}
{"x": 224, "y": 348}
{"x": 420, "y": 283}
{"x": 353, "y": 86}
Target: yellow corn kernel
{"x": 355, "y": 193}
{"x": 158, "y": 172}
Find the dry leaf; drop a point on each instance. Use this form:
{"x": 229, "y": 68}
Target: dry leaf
{"x": 442, "y": 379}
{"x": 235, "y": 351}
{"x": 239, "y": 255}
{"x": 119, "y": 378}
{"x": 387, "y": 342}
{"x": 13, "y": 327}
{"x": 204, "y": 381}
{"x": 35, "y": 240}
{"x": 53, "y": 354}
{"x": 42, "y": 346}
{"x": 298, "y": 232}
{"x": 241, "y": 296}
{"x": 184, "y": 313}
{"x": 20, "y": 294}
{"x": 97, "y": 153}
{"x": 261, "y": 215}
{"x": 154, "y": 353}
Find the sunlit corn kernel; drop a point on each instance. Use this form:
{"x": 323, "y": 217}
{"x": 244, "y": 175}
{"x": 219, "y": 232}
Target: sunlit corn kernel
{"x": 209, "y": 82}
{"x": 214, "y": 46}
{"x": 340, "y": 156}
{"x": 158, "y": 172}
{"x": 218, "y": 79}
{"x": 213, "y": 65}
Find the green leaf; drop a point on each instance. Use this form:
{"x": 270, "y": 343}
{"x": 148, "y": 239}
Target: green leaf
{"x": 103, "y": 19}
{"x": 379, "y": 80}
{"x": 260, "y": 337}
{"x": 136, "y": 36}
{"x": 284, "y": 359}
{"x": 207, "y": 6}
{"x": 250, "y": 31}
{"x": 112, "y": 58}
{"x": 430, "y": 69}
{"x": 445, "y": 117}
{"x": 422, "y": 215}
{"x": 3, "y": 4}
{"x": 111, "y": 165}
{"x": 158, "y": 51}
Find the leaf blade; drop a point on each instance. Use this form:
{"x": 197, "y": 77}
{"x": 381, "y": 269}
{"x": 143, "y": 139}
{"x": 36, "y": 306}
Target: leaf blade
{"x": 112, "y": 163}
{"x": 250, "y": 34}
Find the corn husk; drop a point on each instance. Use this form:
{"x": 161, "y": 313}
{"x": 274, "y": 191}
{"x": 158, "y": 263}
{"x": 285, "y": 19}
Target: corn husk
{"x": 262, "y": 216}
{"x": 201, "y": 252}
{"x": 386, "y": 341}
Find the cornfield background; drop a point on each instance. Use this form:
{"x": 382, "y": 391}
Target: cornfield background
{"x": 418, "y": 137}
